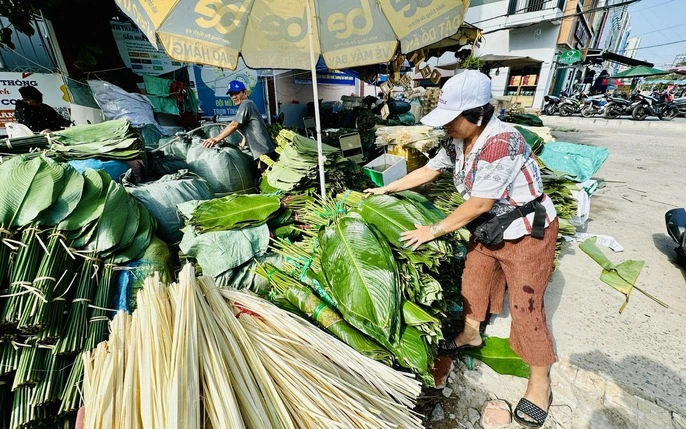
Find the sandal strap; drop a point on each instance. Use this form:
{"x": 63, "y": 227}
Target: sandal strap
{"x": 531, "y": 410}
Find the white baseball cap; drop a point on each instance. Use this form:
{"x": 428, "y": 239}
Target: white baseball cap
{"x": 465, "y": 91}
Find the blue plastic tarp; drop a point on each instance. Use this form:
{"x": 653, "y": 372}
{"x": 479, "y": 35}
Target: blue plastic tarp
{"x": 577, "y": 162}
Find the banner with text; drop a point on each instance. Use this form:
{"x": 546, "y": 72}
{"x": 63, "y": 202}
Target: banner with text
{"x": 51, "y": 85}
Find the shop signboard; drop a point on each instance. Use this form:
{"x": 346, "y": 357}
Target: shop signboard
{"x": 211, "y": 84}
{"x": 137, "y": 52}
{"x": 569, "y": 57}
{"x": 51, "y": 85}
{"x": 301, "y": 77}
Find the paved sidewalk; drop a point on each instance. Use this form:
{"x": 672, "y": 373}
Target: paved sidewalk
{"x": 581, "y": 399}
{"x": 676, "y": 124}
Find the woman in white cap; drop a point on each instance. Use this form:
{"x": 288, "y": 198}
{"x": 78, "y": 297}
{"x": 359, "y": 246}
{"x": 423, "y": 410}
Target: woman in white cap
{"x": 250, "y": 123}
{"x": 513, "y": 223}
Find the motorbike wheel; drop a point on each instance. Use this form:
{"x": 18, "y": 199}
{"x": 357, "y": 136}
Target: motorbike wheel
{"x": 639, "y": 113}
{"x": 669, "y": 113}
{"x": 549, "y": 109}
{"x": 611, "y": 112}
{"x": 566, "y": 110}
{"x": 587, "y": 112}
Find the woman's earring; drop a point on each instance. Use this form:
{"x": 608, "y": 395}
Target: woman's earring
{"x": 481, "y": 118}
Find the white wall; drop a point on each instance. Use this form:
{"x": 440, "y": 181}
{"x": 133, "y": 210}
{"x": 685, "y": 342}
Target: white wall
{"x": 287, "y": 90}
{"x": 537, "y": 41}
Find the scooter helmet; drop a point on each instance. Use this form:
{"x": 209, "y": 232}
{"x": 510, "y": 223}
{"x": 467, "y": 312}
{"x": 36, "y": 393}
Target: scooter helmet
{"x": 235, "y": 86}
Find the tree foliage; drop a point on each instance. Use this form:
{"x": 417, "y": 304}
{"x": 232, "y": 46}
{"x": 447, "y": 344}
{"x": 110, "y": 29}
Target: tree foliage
{"x": 20, "y": 14}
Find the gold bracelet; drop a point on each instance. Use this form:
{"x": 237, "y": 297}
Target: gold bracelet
{"x": 436, "y": 230}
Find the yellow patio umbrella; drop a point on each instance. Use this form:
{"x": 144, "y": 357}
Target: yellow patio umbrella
{"x": 293, "y": 34}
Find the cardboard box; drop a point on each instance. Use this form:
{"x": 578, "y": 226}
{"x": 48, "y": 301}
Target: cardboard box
{"x": 385, "y": 169}
{"x": 413, "y": 157}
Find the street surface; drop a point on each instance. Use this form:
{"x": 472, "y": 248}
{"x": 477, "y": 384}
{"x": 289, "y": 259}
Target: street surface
{"x": 615, "y": 370}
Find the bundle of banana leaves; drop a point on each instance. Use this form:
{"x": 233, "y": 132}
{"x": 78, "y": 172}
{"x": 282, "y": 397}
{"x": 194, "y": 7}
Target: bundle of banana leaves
{"x": 115, "y": 139}
{"x": 350, "y": 262}
{"x": 297, "y": 169}
{"x": 63, "y": 233}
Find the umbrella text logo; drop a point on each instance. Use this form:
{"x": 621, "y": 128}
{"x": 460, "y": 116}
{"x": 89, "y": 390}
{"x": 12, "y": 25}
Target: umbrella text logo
{"x": 399, "y": 5}
{"x": 277, "y": 28}
{"x": 224, "y": 18}
{"x": 344, "y": 25}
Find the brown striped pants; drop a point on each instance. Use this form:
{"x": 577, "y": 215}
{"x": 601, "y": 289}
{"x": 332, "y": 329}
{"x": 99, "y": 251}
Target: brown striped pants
{"x": 524, "y": 266}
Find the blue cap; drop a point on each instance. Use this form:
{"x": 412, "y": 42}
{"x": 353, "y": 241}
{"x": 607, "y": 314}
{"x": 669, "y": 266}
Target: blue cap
{"x": 235, "y": 86}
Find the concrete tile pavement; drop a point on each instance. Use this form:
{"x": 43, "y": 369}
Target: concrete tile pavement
{"x": 582, "y": 399}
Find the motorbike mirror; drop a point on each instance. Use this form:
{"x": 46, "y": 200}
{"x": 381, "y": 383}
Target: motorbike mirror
{"x": 676, "y": 225}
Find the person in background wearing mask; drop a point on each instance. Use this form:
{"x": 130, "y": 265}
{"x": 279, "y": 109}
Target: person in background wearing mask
{"x": 496, "y": 172}
{"x": 38, "y": 116}
{"x": 248, "y": 122}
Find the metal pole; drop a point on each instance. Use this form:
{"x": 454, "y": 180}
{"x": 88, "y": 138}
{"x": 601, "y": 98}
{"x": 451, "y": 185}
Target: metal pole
{"x": 318, "y": 127}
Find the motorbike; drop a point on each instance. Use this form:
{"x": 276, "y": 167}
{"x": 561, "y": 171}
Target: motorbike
{"x": 552, "y": 103}
{"x": 572, "y": 104}
{"x": 620, "y": 106}
{"x": 676, "y": 228}
{"x": 680, "y": 104}
{"x": 594, "y": 105}
{"x": 657, "y": 104}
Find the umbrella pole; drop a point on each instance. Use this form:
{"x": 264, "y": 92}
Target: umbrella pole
{"x": 318, "y": 127}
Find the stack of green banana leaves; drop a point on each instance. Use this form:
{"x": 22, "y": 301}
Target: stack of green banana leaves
{"x": 298, "y": 170}
{"x": 223, "y": 234}
{"x": 352, "y": 276}
{"x": 346, "y": 270}
{"x": 113, "y": 140}
{"x": 63, "y": 233}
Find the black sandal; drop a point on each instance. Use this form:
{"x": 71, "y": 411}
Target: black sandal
{"x": 449, "y": 347}
{"x": 526, "y": 408}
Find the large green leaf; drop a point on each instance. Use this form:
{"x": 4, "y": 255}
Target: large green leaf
{"x": 234, "y": 211}
{"x": 432, "y": 213}
{"x": 497, "y": 354}
{"x": 144, "y": 234}
{"x": 130, "y": 227}
{"x": 361, "y": 276}
{"x": 95, "y": 186}
{"x": 16, "y": 176}
{"x": 393, "y": 216}
{"x": 46, "y": 185}
{"x": 412, "y": 352}
{"x": 219, "y": 251}
{"x": 621, "y": 277}
{"x": 112, "y": 223}
{"x": 67, "y": 201}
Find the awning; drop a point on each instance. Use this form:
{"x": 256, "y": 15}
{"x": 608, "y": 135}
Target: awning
{"x": 599, "y": 55}
{"x": 495, "y": 61}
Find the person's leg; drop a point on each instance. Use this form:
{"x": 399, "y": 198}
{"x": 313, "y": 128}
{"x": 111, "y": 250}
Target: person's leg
{"x": 483, "y": 291}
{"x": 528, "y": 265}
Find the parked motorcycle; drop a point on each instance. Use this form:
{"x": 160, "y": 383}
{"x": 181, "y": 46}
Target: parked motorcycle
{"x": 594, "y": 105}
{"x": 676, "y": 228}
{"x": 620, "y": 106}
{"x": 552, "y": 103}
{"x": 572, "y": 104}
{"x": 680, "y": 104}
{"x": 657, "y": 104}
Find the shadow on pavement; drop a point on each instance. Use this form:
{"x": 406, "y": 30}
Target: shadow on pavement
{"x": 638, "y": 376}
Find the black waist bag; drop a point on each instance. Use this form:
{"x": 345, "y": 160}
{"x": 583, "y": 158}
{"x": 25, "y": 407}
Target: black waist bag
{"x": 489, "y": 228}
